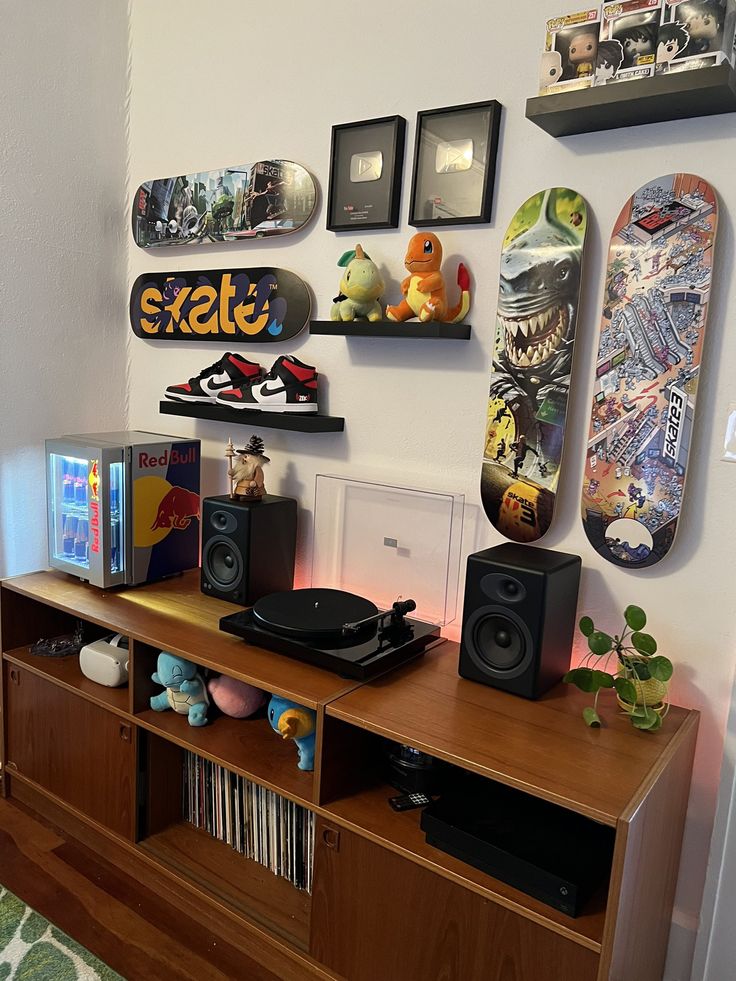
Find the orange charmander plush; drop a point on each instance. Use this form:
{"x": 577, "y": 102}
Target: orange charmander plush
{"x": 424, "y": 290}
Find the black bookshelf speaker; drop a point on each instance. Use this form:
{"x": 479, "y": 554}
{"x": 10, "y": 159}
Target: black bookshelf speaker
{"x": 248, "y": 547}
{"x": 519, "y": 617}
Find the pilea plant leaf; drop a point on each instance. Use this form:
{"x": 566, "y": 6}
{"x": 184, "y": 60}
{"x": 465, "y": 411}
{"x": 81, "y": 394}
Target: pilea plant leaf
{"x": 602, "y": 679}
{"x": 626, "y": 689}
{"x": 600, "y": 643}
{"x": 644, "y": 643}
{"x": 645, "y": 718}
{"x": 586, "y": 626}
{"x": 661, "y": 668}
{"x": 582, "y": 678}
{"x": 635, "y": 617}
{"x": 641, "y": 670}
{"x": 591, "y": 717}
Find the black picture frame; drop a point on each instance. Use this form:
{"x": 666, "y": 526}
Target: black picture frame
{"x": 489, "y": 133}
{"x": 379, "y": 206}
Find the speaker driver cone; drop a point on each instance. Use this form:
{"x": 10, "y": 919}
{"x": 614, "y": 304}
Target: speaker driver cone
{"x": 498, "y": 642}
{"x": 222, "y": 563}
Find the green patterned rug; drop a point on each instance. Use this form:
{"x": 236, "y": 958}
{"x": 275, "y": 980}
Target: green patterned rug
{"x": 31, "y": 949}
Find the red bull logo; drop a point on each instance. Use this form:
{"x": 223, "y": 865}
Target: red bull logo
{"x": 173, "y": 457}
{"x": 94, "y": 506}
{"x": 177, "y": 509}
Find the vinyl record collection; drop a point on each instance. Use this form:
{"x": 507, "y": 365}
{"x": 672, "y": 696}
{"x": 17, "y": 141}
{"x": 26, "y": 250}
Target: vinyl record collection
{"x": 258, "y": 823}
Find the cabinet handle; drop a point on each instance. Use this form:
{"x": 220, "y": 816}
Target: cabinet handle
{"x": 331, "y": 838}
{"x": 125, "y": 732}
{"x": 15, "y": 676}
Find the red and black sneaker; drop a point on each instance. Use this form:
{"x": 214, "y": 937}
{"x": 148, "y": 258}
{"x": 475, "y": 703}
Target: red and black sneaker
{"x": 290, "y": 386}
{"x": 229, "y": 372}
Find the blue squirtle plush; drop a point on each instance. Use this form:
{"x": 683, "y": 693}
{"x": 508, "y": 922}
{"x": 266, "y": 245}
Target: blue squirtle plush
{"x": 185, "y": 689}
{"x": 295, "y": 722}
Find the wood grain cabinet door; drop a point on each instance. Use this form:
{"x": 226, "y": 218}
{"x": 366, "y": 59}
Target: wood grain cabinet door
{"x": 72, "y": 748}
{"x": 379, "y": 917}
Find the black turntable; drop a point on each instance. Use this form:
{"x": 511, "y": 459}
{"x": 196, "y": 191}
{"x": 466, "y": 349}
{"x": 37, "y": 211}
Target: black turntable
{"x": 333, "y": 629}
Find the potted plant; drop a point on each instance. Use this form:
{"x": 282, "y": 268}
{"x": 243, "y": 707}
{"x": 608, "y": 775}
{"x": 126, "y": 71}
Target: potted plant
{"x": 641, "y": 675}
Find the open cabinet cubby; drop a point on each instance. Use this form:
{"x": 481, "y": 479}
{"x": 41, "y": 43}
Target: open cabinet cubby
{"x": 102, "y": 760}
{"x": 246, "y": 886}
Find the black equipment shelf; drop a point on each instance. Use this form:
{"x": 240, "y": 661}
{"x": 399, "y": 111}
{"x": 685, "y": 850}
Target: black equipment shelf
{"x": 675, "y": 95}
{"x": 389, "y": 328}
{"x": 298, "y": 422}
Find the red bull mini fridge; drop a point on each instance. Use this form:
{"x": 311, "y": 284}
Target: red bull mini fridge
{"x": 123, "y": 508}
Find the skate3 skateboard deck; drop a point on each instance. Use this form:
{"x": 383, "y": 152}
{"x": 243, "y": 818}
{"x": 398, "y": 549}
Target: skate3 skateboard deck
{"x": 655, "y": 310}
{"x": 271, "y": 197}
{"x": 259, "y": 305}
{"x": 532, "y": 358}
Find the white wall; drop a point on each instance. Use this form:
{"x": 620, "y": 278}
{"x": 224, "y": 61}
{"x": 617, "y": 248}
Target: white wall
{"x": 62, "y": 252}
{"x": 235, "y": 82}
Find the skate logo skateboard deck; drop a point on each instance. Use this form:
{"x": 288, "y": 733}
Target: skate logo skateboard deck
{"x": 655, "y": 310}
{"x": 271, "y": 197}
{"x": 258, "y": 305}
{"x": 532, "y": 358}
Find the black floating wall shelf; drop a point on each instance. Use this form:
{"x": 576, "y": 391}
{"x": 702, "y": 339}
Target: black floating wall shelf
{"x": 298, "y": 422}
{"x": 675, "y": 95}
{"x": 389, "y": 328}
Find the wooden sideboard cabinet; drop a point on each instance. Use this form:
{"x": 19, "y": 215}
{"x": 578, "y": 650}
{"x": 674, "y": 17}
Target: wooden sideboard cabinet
{"x": 384, "y": 904}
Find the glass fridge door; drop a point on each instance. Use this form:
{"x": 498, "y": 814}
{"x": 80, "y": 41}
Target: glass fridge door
{"x": 86, "y": 511}
{"x": 118, "y": 507}
{"x": 68, "y": 501}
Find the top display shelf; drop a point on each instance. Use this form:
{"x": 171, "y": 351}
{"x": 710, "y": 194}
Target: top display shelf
{"x": 678, "y": 95}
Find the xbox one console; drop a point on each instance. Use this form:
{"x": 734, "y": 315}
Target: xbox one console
{"x": 546, "y": 851}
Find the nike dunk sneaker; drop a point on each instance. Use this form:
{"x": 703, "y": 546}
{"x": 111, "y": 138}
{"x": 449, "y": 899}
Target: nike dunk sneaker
{"x": 229, "y": 372}
{"x": 290, "y": 386}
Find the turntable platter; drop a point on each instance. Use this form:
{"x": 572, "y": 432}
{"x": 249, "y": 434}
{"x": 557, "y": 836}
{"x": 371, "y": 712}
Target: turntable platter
{"x": 311, "y": 612}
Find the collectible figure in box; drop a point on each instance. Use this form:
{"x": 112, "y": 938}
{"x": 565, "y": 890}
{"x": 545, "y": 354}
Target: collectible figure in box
{"x": 569, "y": 57}
{"x": 696, "y": 34}
{"x": 609, "y": 60}
{"x": 635, "y": 25}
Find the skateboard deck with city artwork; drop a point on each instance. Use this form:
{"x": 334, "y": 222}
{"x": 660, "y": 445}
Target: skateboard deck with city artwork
{"x": 271, "y": 197}
{"x": 655, "y": 311}
{"x": 532, "y": 358}
{"x": 258, "y": 305}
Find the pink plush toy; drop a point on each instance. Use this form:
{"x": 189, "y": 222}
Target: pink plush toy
{"x": 235, "y": 698}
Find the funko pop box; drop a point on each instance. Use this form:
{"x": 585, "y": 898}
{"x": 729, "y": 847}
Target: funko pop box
{"x": 569, "y": 56}
{"x": 634, "y": 25}
{"x": 696, "y": 34}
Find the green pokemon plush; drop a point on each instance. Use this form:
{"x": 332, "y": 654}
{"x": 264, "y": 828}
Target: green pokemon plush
{"x": 360, "y": 288}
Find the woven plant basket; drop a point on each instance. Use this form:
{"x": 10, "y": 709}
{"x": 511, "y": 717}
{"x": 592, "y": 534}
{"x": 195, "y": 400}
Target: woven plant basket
{"x": 651, "y": 693}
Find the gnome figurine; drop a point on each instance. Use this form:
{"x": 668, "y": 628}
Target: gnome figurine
{"x": 246, "y": 472}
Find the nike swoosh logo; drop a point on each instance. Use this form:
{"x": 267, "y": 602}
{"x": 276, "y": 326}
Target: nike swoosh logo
{"x": 265, "y": 387}
{"x": 217, "y": 383}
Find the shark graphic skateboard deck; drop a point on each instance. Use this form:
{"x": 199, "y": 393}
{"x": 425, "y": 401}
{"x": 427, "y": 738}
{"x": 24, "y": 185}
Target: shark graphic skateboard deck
{"x": 532, "y": 358}
{"x": 271, "y": 197}
{"x": 259, "y": 305}
{"x": 655, "y": 311}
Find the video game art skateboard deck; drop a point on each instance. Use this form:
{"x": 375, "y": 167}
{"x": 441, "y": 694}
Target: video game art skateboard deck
{"x": 259, "y": 305}
{"x": 655, "y": 310}
{"x": 532, "y": 358}
{"x": 271, "y": 197}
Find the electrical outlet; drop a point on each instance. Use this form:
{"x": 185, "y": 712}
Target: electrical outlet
{"x": 729, "y": 444}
